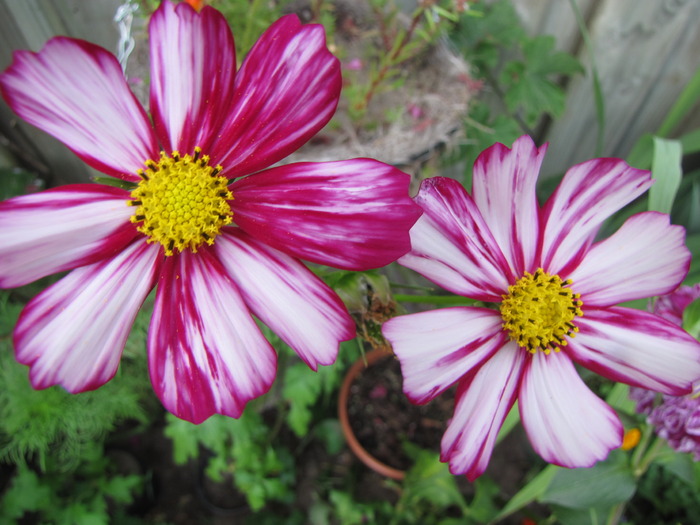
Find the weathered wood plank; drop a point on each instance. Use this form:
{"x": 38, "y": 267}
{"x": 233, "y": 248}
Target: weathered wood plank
{"x": 646, "y": 52}
{"x": 28, "y": 24}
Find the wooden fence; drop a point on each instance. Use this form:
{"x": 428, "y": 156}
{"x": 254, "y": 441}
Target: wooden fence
{"x": 645, "y": 50}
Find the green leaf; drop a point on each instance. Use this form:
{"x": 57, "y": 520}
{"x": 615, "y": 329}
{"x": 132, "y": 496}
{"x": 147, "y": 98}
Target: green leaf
{"x": 302, "y": 388}
{"x": 589, "y": 516}
{"x": 690, "y": 142}
{"x": 642, "y": 152}
{"x": 26, "y": 494}
{"x": 430, "y": 481}
{"x": 533, "y": 491}
{"x": 619, "y": 399}
{"x": 542, "y": 58}
{"x": 683, "y": 106}
{"x": 512, "y": 419}
{"x": 680, "y": 465}
{"x": 691, "y": 319}
{"x": 185, "y": 440}
{"x": 603, "y": 485}
{"x": 331, "y": 434}
{"x": 666, "y": 172}
{"x": 16, "y": 181}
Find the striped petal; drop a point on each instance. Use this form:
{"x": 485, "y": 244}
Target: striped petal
{"x": 76, "y": 91}
{"x": 61, "y": 229}
{"x": 568, "y": 425}
{"x": 286, "y": 296}
{"x": 452, "y": 246}
{"x": 504, "y": 191}
{"x": 206, "y": 354}
{"x": 483, "y": 402}
{"x": 193, "y": 67}
{"x": 647, "y": 256}
{"x": 588, "y": 194}
{"x": 73, "y": 333}
{"x": 438, "y": 347}
{"x": 637, "y": 347}
{"x": 352, "y": 214}
{"x": 286, "y": 90}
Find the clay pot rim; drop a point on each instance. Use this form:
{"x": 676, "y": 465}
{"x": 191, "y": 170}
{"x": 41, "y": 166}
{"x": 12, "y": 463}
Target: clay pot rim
{"x": 368, "y": 459}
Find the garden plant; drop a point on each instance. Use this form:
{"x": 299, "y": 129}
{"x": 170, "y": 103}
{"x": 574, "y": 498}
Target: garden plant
{"x": 176, "y": 331}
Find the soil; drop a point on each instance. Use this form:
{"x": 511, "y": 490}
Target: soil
{"x": 384, "y": 420}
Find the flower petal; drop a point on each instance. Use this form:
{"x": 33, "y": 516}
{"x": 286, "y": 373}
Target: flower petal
{"x": 588, "y": 194}
{"x": 568, "y": 425}
{"x": 206, "y": 355}
{"x": 73, "y": 333}
{"x": 637, "y": 347}
{"x": 193, "y": 67}
{"x": 438, "y": 347}
{"x": 76, "y": 91}
{"x": 452, "y": 246}
{"x": 286, "y": 90}
{"x": 61, "y": 229}
{"x": 352, "y": 214}
{"x": 286, "y": 296}
{"x": 483, "y": 402}
{"x": 647, "y": 256}
{"x": 504, "y": 191}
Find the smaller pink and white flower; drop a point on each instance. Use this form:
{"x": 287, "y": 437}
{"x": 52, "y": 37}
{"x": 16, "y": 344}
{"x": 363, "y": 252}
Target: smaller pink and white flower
{"x": 556, "y": 291}
{"x": 201, "y": 217}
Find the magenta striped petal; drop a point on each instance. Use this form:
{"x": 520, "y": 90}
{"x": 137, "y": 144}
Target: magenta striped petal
{"x": 452, "y": 246}
{"x": 61, "y": 229}
{"x": 568, "y": 425}
{"x": 76, "y": 91}
{"x": 483, "y": 402}
{"x": 588, "y": 194}
{"x": 504, "y": 191}
{"x": 637, "y": 347}
{"x": 73, "y": 333}
{"x": 193, "y": 67}
{"x": 438, "y": 347}
{"x": 286, "y": 296}
{"x": 647, "y": 256}
{"x": 206, "y": 355}
{"x": 286, "y": 90}
{"x": 352, "y": 214}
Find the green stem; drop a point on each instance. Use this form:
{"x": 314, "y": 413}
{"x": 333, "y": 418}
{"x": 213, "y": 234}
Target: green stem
{"x": 597, "y": 88}
{"x": 454, "y": 300}
{"x": 642, "y": 459}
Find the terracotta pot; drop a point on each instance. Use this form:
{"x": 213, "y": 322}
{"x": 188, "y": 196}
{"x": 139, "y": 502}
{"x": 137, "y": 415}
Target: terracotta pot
{"x": 359, "y": 451}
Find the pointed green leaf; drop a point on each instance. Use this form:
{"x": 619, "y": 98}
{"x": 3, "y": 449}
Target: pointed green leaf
{"x": 666, "y": 172}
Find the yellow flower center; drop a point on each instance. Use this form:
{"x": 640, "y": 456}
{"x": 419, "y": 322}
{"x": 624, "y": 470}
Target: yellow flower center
{"x": 181, "y": 201}
{"x": 539, "y": 310}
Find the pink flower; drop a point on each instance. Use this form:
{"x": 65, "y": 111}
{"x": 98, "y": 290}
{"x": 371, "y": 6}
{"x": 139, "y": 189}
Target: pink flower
{"x": 551, "y": 282}
{"x": 199, "y": 220}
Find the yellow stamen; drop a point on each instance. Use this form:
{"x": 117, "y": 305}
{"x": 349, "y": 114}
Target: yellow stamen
{"x": 539, "y": 310}
{"x": 181, "y": 202}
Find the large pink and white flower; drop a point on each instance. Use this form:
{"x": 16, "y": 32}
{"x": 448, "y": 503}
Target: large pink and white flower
{"x": 203, "y": 220}
{"x": 556, "y": 291}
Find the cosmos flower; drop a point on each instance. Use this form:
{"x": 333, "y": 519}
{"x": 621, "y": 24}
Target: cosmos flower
{"x": 555, "y": 290}
{"x": 202, "y": 218}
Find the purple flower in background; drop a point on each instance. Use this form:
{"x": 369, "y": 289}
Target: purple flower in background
{"x": 676, "y": 419}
